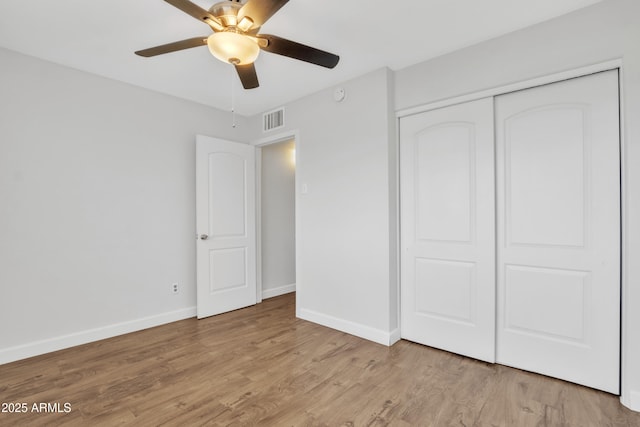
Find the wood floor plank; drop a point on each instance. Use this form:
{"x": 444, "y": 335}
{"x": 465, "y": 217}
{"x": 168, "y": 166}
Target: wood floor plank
{"x": 262, "y": 366}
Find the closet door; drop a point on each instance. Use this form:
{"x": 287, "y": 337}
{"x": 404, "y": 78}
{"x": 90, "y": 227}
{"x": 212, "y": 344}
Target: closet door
{"x": 447, "y": 229}
{"x": 558, "y": 241}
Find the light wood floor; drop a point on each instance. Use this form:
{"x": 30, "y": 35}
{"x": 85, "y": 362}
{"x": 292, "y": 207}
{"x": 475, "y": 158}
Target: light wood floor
{"x": 262, "y": 366}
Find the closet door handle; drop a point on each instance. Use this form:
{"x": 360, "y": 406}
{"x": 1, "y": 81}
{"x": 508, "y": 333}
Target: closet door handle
{"x": 203, "y": 237}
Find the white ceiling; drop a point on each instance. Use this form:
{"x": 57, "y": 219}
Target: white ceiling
{"x": 101, "y": 36}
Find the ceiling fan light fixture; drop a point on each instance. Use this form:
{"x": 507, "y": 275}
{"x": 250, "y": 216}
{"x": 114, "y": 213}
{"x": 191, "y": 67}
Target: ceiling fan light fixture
{"x": 233, "y": 48}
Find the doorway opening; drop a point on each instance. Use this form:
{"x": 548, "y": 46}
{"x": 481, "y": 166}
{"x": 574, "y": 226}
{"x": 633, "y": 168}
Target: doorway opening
{"x": 276, "y": 218}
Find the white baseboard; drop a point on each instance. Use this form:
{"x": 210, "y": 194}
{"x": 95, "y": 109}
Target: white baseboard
{"x": 362, "y": 331}
{"x": 281, "y": 290}
{"x": 37, "y": 348}
{"x": 632, "y": 400}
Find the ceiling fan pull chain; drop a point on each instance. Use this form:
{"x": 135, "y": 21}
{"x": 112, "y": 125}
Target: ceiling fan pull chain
{"x": 233, "y": 99}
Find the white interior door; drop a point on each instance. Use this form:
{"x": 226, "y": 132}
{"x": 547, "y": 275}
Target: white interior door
{"x": 558, "y": 189}
{"x": 447, "y": 229}
{"x": 225, "y": 225}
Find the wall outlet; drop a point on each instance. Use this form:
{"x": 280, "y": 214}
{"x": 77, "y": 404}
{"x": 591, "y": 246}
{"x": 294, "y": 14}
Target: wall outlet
{"x": 175, "y": 288}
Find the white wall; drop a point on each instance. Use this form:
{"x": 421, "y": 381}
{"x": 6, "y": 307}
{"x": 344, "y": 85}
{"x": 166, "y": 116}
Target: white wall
{"x": 97, "y": 205}
{"x": 346, "y": 234}
{"x": 602, "y": 32}
{"x": 278, "y": 242}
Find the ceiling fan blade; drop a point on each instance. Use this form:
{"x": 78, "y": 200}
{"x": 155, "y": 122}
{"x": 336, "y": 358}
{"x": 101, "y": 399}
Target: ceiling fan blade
{"x": 248, "y": 76}
{"x": 197, "y": 12}
{"x": 298, "y": 51}
{"x": 173, "y": 47}
{"x": 260, "y": 10}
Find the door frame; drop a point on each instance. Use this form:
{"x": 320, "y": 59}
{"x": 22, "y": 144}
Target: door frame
{"x": 259, "y": 143}
{"x": 615, "y": 64}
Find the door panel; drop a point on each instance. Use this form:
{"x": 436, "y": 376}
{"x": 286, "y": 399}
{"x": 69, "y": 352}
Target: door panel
{"x": 530, "y": 289}
{"x": 447, "y": 211}
{"x": 227, "y": 193}
{"x": 558, "y": 216}
{"x": 445, "y": 289}
{"x": 444, "y": 156}
{"x": 545, "y": 179}
{"x": 227, "y": 269}
{"x": 225, "y": 217}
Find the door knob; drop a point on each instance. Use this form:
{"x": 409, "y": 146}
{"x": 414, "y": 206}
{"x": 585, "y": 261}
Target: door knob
{"x": 203, "y": 237}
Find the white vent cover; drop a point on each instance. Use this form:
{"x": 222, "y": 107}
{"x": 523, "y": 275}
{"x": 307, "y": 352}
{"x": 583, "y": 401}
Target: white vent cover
{"x": 273, "y": 120}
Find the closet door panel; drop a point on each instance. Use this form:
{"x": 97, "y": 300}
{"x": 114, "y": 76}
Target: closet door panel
{"x": 447, "y": 229}
{"x": 558, "y": 242}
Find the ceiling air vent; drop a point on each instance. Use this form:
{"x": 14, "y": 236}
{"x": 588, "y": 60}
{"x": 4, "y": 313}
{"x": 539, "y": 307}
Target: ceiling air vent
{"x": 273, "y": 120}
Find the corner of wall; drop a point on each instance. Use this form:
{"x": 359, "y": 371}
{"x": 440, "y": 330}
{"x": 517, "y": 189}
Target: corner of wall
{"x": 351, "y": 328}
{"x": 631, "y": 400}
{"x": 394, "y": 207}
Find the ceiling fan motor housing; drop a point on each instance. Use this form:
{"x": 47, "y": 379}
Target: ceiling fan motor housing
{"x": 226, "y": 12}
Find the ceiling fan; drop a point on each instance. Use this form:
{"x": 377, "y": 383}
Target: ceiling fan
{"x": 235, "y": 38}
